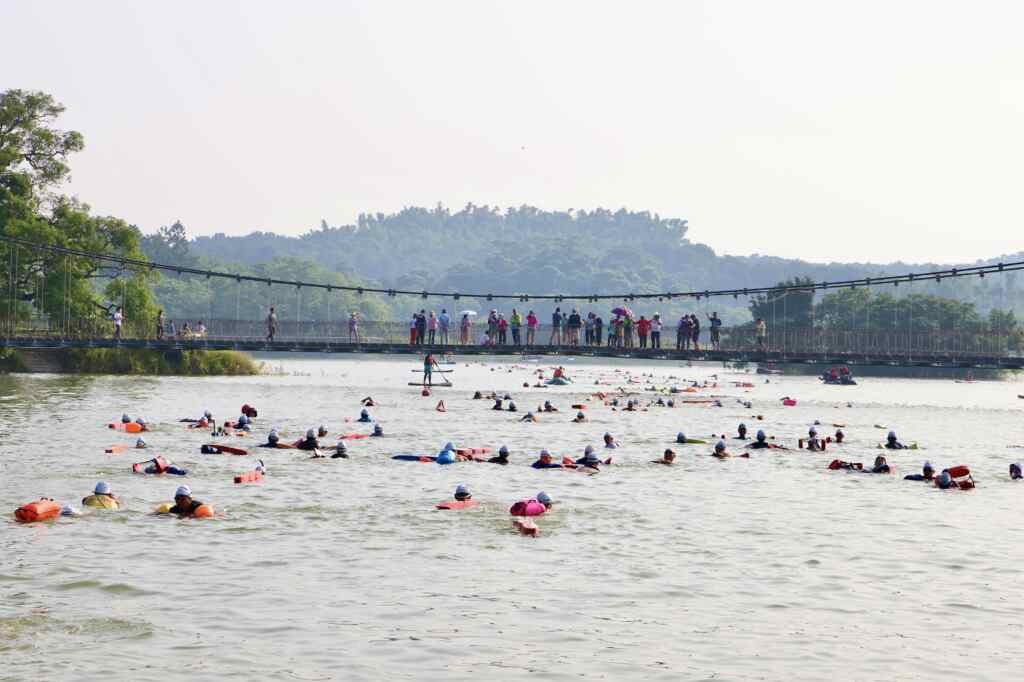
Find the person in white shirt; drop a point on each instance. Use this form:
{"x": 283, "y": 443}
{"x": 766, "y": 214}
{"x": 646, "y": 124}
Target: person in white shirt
{"x": 656, "y": 331}
{"x": 118, "y": 318}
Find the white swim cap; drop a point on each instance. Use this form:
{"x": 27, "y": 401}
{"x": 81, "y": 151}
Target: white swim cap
{"x": 183, "y": 491}
{"x": 102, "y": 488}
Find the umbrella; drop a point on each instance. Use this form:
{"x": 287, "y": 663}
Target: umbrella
{"x": 468, "y": 312}
{"x": 618, "y": 311}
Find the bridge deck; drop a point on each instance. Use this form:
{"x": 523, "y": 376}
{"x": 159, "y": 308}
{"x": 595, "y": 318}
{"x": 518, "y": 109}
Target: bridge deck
{"x": 824, "y": 357}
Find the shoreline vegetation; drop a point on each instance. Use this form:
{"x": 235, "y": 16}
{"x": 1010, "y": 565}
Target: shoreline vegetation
{"x": 134, "y": 361}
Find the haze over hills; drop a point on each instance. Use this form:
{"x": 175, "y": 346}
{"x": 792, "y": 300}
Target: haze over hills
{"x": 484, "y": 249}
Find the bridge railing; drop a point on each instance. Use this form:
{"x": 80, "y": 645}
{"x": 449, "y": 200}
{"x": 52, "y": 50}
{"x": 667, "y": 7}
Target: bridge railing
{"x": 897, "y": 343}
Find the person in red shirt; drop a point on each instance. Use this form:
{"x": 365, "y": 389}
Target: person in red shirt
{"x": 643, "y": 328}
{"x": 531, "y": 328}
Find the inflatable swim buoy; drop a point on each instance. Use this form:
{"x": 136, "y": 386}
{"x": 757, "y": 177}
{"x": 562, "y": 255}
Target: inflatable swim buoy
{"x": 526, "y": 527}
{"x": 130, "y": 427}
{"x": 40, "y": 510}
{"x": 789, "y": 402}
{"x": 458, "y": 504}
{"x": 253, "y": 476}
{"x": 101, "y": 502}
{"x": 527, "y": 508}
{"x": 203, "y": 511}
{"x": 472, "y": 451}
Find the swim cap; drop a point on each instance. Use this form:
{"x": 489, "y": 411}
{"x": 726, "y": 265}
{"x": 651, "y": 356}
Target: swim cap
{"x": 102, "y": 488}
{"x": 607, "y": 435}
{"x": 207, "y": 414}
{"x": 545, "y": 453}
{"x": 342, "y": 447}
{"x": 364, "y": 411}
{"x": 720, "y": 446}
{"x": 760, "y": 434}
{"x": 928, "y": 466}
{"x": 272, "y": 437}
{"x": 588, "y": 450}
{"x": 461, "y": 489}
{"x": 579, "y": 415}
{"x": 125, "y": 417}
{"x": 813, "y": 431}
{"x": 892, "y": 434}
{"x": 449, "y": 446}
{"x": 680, "y": 437}
{"x": 140, "y": 421}
{"x": 945, "y": 479}
{"x": 141, "y": 442}
{"x": 742, "y": 426}
{"x": 310, "y": 434}
{"x": 544, "y": 498}
{"x": 377, "y": 428}
{"x": 503, "y": 450}
{"x": 183, "y": 491}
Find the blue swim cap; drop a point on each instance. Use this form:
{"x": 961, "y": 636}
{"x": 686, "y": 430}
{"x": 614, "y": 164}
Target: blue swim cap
{"x": 503, "y": 450}
{"x": 760, "y": 434}
{"x": 446, "y": 457}
{"x": 720, "y": 446}
{"x": 448, "y": 446}
{"x": 462, "y": 489}
{"x": 589, "y": 450}
{"x": 892, "y": 434}
{"x": 544, "y": 452}
{"x": 102, "y": 488}
{"x": 543, "y": 498}
{"x": 680, "y": 437}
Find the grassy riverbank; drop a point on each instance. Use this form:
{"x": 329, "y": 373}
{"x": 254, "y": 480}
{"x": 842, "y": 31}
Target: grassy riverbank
{"x": 132, "y": 361}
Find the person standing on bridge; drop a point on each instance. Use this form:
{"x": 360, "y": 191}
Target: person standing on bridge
{"x": 531, "y": 328}
{"x": 431, "y": 328}
{"x": 556, "y": 328}
{"x": 271, "y": 324}
{"x": 716, "y": 331}
{"x": 656, "y": 331}
{"x": 598, "y": 329}
{"x": 695, "y": 331}
{"x": 353, "y": 327}
{"x": 761, "y": 329}
{"x": 643, "y": 328}
{"x": 160, "y": 325}
{"x": 464, "y": 330}
{"x": 412, "y": 329}
{"x": 516, "y": 324}
{"x": 444, "y": 322}
{"x": 421, "y": 327}
{"x": 118, "y": 319}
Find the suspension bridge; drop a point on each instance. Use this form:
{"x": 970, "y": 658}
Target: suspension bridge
{"x": 25, "y": 327}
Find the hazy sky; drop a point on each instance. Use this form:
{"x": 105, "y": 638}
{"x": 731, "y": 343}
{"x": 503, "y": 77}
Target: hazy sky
{"x": 828, "y": 131}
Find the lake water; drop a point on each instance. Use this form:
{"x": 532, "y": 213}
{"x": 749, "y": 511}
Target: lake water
{"x": 768, "y": 568}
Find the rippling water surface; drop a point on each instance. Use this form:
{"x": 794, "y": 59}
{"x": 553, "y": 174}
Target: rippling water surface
{"x": 767, "y": 568}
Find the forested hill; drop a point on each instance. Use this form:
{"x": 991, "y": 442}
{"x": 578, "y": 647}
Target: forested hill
{"x": 485, "y": 249}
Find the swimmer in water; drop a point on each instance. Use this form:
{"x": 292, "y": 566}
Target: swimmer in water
{"x": 364, "y": 416}
{"x": 462, "y": 493}
{"x": 140, "y": 443}
{"x": 681, "y": 438}
{"x": 927, "y": 474}
{"x": 502, "y": 457}
{"x": 528, "y": 417}
{"x": 546, "y": 500}
{"x": 545, "y": 461}
{"x": 720, "y": 451}
{"x": 579, "y": 418}
{"x": 548, "y": 407}
{"x": 378, "y": 431}
{"x": 945, "y": 481}
{"x": 760, "y": 442}
{"x": 322, "y": 431}
{"x": 184, "y": 505}
{"x": 497, "y": 405}
{"x": 340, "y": 451}
{"x": 101, "y": 497}
{"x": 512, "y": 407}
{"x": 1015, "y": 471}
{"x": 367, "y": 402}
{"x": 310, "y": 442}
{"x": 272, "y": 439}
{"x": 814, "y": 443}
{"x": 590, "y": 460}
{"x": 478, "y": 396}
{"x": 881, "y": 466}
{"x": 839, "y": 436}
{"x": 891, "y": 443}
{"x": 741, "y": 432}
{"x": 609, "y": 441}
{"x": 669, "y": 458}
{"x": 125, "y": 419}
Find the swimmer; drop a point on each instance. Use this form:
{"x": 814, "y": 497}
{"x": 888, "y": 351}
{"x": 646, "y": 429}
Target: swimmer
{"x": 814, "y": 444}
{"x": 546, "y": 500}
{"x": 322, "y": 431}
{"x": 142, "y": 422}
{"x": 927, "y": 474}
{"x": 502, "y": 457}
{"x": 125, "y": 419}
{"x": 1015, "y": 472}
{"x": 378, "y": 431}
{"x": 243, "y": 423}
{"x": 548, "y": 407}
{"x": 272, "y": 439}
{"x": 681, "y": 438}
{"x": 512, "y": 407}
{"x": 478, "y": 396}
{"x": 546, "y": 462}
{"x": 609, "y": 441}
{"x": 462, "y": 493}
{"x": 497, "y": 405}
{"x": 101, "y": 497}
{"x": 364, "y": 416}
{"x": 184, "y": 505}
{"x": 340, "y": 451}
{"x": 310, "y": 442}
{"x": 670, "y": 403}
{"x": 741, "y": 432}
{"x": 891, "y": 443}
{"x": 589, "y": 458}
{"x": 579, "y": 418}
{"x": 881, "y": 466}
{"x": 440, "y": 406}
{"x": 669, "y": 458}
{"x": 660, "y": 402}
{"x": 720, "y": 451}
{"x": 852, "y": 466}
{"x": 945, "y": 481}
{"x": 367, "y": 402}
{"x": 528, "y": 417}
{"x": 159, "y": 466}
{"x": 839, "y": 436}
{"x": 761, "y": 441}
{"x": 140, "y": 444}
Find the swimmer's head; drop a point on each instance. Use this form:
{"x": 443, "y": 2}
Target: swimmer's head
{"x": 1015, "y": 471}
{"x": 310, "y": 433}
{"x": 760, "y": 435}
{"x": 927, "y": 468}
{"x": 720, "y": 446}
{"x": 462, "y": 492}
{"x": 680, "y": 437}
{"x": 545, "y": 499}
{"x": 503, "y": 451}
{"x": 669, "y": 456}
{"x": 102, "y": 488}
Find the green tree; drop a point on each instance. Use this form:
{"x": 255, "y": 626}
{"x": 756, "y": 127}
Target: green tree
{"x": 787, "y": 307}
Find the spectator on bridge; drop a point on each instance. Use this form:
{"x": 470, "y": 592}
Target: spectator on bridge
{"x": 444, "y": 322}
{"x": 716, "y": 331}
{"x": 627, "y": 331}
{"x": 761, "y": 329}
{"x": 464, "y": 330}
{"x": 412, "y": 329}
{"x": 186, "y": 331}
{"x": 502, "y": 329}
{"x": 171, "y": 331}
{"x": 531, "y": 328}
{"x": 431, "y": 328}
{"x": 118, "y": 319}
{"x": 574, "y": 323}
{"x": 695, "y": 332}
{"x": 421, "y": 327}
{"x": 656, "y": 331}
{"x": 160, "y": 325}
{"x": 598, "y": 329}
{"x": 588, "y": 330}
{"x": 200, "y": 330}
{"x": 271, "y": 325}
{"x": 683, "y": 333}
{"x": 516, "y": 324}
{"x": 556, "y": 328}
{"x": 643, "y": 328}
{"x": 353, "y": 327}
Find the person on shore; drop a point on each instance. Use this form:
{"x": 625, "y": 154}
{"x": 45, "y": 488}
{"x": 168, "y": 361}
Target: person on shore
{"x": 502, "y": 330}
{"x": 421, "y": 327}
{"x": 927, "y": 474}
{"x": 598, "y": 330}
{"x": 643, "y": 328}
{"x": 575, "y": 322}
{"x": 465, "y": 329}
{"x": 588, "y": 329}
{"x": 656, "y": 331}
{"x": 515, "y": 323}
{"x": 271, "y": 324}
{"x": 412, "y": 329}
{"x": 695, "y": 332}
